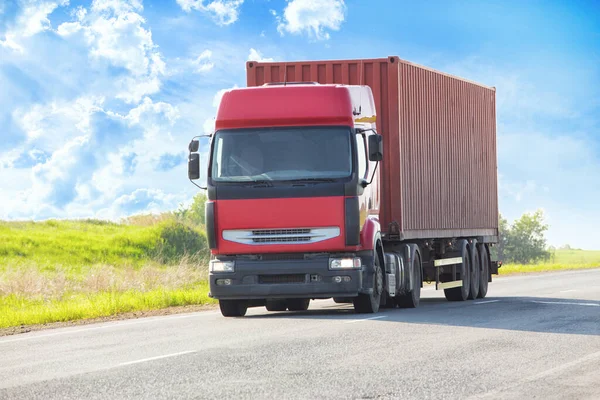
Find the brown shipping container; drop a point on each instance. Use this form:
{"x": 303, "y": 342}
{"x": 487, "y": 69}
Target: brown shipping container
{"x": 439, "y": 173}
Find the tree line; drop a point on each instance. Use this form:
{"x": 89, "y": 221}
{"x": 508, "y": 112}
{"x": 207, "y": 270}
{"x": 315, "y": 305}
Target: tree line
{"x": 523, "y": 241}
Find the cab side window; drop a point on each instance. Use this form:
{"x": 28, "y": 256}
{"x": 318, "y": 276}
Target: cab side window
{"x": 361, "y": 148}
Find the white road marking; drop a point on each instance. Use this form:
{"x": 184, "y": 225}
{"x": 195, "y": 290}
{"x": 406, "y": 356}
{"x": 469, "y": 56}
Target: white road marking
{"x": 567, "y": 291}
{"x": 365, "y": 319}
{"x": 566, "y": 303}
{"x": 157, "y": 358}
{"x": 111, "y": 325}
{"x": 486, "y": 302}
{"x": 544, "y": 374}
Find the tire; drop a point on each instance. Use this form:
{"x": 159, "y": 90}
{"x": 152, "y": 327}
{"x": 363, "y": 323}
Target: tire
{"x": 475, "y": 271}
{"x": 413, "y": 298}
{"x": 485, "y": 271}
{"x": 276, "y": 305}
{"x": 233, "y": 308}
{"x": 462, "y": 293}
{"x": 369, "y": 303}
{"x": 298, "y": 304}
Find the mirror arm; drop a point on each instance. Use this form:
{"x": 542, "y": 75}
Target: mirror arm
{"x": 200, "y": 187}
{"x": 374, "y": 171}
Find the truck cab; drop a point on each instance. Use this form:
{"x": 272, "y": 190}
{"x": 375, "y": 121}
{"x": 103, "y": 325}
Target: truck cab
{"x": 293, "y": 199}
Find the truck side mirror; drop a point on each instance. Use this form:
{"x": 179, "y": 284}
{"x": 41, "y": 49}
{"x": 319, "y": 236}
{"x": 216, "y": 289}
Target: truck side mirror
{"x": 194, "y": 165}
{"x": 375, "y": 147}
{"x": 194, "y": 146}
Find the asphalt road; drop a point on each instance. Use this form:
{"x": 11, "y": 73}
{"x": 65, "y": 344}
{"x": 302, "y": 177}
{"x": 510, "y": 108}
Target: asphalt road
{"x": 532, "y": 337}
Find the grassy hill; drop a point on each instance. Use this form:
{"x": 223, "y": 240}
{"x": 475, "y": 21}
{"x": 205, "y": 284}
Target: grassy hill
{"x": 67, "y": 270}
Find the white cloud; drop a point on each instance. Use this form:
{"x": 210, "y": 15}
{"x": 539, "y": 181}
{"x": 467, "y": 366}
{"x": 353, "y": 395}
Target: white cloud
{"x": 31, "y": 20}
{"x": 223, "y": 12}
{"x": 256, "y": 55}
{"x": 147, "y": 112}
{"x": 83, "y": 155}
{"x": 203, "y": 62}
{"x": 114, "y": 32}
{"x": 51, "y": 124}
{"x": 143, "y": 200}
{"x": 313, "y": 17}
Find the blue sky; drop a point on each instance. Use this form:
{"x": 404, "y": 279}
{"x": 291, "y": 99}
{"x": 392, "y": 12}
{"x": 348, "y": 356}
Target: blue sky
{"x": 99, "y": 99}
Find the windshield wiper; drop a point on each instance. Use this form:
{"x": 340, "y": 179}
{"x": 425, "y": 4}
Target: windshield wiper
{"x": 259, "y": 183}
{"x": 310, "y": 180}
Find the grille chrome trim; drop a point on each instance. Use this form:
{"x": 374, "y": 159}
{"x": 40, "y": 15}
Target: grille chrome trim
{"x": 257, "y": 237}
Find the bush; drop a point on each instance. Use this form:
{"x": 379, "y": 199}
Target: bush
{"x": 177, "y": 240}
{"x": 195, "y": 213}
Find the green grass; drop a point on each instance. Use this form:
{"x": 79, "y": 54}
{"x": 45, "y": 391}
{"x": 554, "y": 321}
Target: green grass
{"x": 67, "y": 270}
{"x": 19, "y": 310}
{"x": 561, "y": 260}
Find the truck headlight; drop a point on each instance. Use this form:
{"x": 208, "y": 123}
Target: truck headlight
{"x": 344, "y": 263}
{"x": 222, "y": 266}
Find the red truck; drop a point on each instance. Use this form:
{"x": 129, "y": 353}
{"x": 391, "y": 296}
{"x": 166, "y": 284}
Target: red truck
{"x": 356, "y": 180}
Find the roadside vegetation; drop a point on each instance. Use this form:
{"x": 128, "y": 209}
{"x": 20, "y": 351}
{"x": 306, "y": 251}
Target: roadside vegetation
{"x": 68, "y": 270}
{"x": 55, "y": 271}
{"x": 523, "y": 249}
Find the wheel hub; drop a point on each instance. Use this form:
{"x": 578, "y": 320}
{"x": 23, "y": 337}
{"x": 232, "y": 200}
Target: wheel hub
{"x": 379, "y": 281}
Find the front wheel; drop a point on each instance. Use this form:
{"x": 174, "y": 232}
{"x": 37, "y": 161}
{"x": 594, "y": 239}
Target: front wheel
{"x": 369, "y": 303}
{"x": 233, "y": 308}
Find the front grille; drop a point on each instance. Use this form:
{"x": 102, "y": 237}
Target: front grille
{"x": 293, "y": 239}
{"x": 281, "y": 236}
{"x": 278, "y": 232}
{"x": 287, "y": 278}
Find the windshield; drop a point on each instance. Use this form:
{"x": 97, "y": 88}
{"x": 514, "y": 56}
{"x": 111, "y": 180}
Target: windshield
{"x": 282, "y": 154}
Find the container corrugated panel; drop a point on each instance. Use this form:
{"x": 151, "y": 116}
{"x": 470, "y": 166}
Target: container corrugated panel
{"x": 439, "y": 173}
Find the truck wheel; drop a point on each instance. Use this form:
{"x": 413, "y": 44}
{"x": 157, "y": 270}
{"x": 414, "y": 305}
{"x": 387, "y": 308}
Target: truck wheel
{"x": 369, "y": 303}
{"x": 485, "y": 271}
{"x": 462, "y": 293}
{"x": 233, "y": 308}
{"x": 298, "y": 304}
{"x": 413, "y": 298}
{"x": 475, "y": 271}
{"x": 276, "y": 305}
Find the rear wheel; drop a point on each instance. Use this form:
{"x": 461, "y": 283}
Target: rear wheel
{"x": 475, "y": 271}
{"x": 233, "y": 308}
{"x": 413, "y": 298}
{"x": 462, "y": 293}
{"x": 369, "y": 303}
{"x": 485, "y": 271}
{"x": 298, "y": 304}
{"x": 276, "y": 305}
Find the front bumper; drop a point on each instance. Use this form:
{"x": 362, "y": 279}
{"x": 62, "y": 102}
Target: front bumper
{"x": 304, "y": 278}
